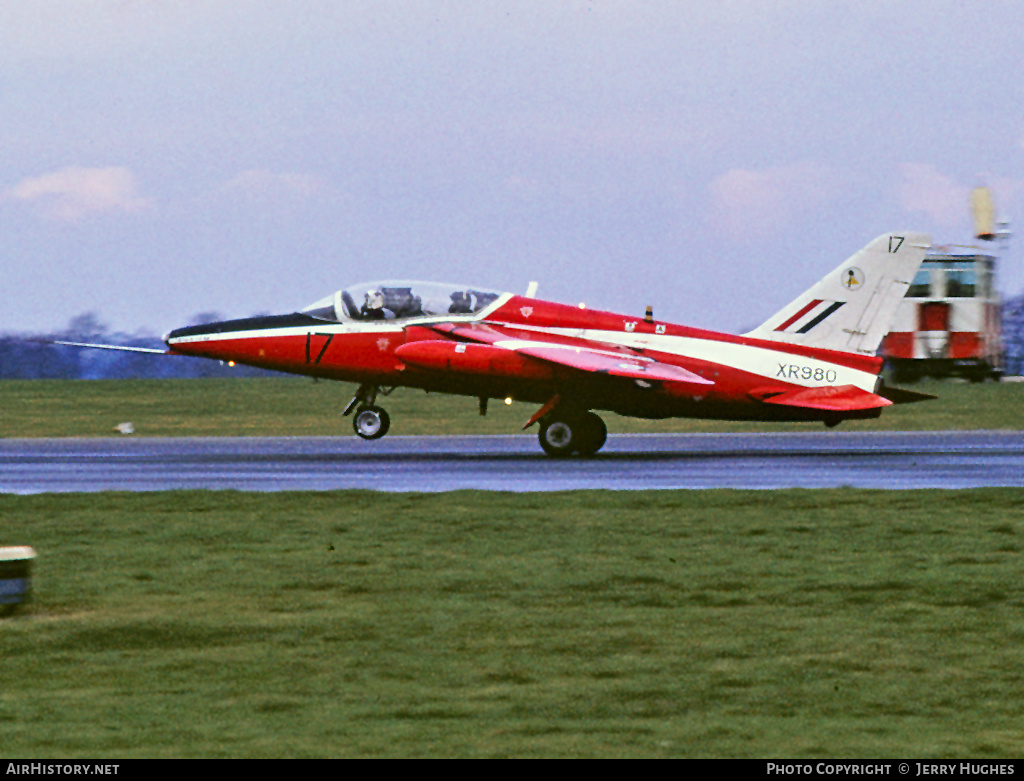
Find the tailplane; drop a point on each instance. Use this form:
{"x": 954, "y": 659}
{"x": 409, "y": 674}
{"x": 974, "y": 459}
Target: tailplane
{"x": 852, "y": 308}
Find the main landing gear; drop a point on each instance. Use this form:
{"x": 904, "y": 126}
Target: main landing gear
{"x": 563, "y": 433}
{"x": 370, "y": 421}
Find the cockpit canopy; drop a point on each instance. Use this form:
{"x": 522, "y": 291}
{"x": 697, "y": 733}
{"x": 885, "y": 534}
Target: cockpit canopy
{"x": 395, "y": 300}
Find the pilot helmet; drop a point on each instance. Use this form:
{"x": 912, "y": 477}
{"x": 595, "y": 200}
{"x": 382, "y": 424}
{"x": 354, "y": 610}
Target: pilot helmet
{"x": 374, "y": 299}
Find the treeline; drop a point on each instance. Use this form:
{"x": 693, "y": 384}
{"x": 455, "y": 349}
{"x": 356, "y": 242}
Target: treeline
{"x": 29, "y": 357}
{"x": 1013, "y": 335}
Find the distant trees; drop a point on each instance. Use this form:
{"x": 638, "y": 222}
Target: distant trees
{"x": 1013, "y": 334}
{"x": 25, "y": 356}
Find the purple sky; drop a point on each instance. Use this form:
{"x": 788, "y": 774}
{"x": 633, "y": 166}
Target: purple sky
{"x": 159, "y": 159}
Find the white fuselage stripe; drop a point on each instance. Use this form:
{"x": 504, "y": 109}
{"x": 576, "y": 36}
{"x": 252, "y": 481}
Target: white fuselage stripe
{"x": 770, "y": 364}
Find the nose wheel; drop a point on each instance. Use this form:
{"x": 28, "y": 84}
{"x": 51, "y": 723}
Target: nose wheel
{"x": 371, "y": 422}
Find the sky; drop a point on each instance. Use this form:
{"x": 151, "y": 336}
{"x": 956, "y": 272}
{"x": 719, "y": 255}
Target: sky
{"x": 162, "y": 159}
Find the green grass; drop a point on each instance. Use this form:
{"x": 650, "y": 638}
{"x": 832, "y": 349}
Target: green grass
{"x": 839, "y": 623}
{"x": 295, "y": 407}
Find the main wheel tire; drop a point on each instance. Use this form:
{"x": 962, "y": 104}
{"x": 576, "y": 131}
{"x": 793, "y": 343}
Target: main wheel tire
{"x": 561, "y": 435}
{"x": 558, "y": 436}
{"x": 371, "y": 422}
{"x": 593, "y": 433}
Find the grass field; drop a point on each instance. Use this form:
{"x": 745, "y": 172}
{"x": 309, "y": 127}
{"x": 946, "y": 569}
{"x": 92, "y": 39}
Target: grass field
{"x": 296, "y": 407}
{"x": 833, "y": 623}
{"x": 838, "y": 623}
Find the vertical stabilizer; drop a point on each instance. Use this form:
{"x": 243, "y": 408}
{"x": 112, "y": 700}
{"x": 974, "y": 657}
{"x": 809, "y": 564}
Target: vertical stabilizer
{"x": 852, "y": 308}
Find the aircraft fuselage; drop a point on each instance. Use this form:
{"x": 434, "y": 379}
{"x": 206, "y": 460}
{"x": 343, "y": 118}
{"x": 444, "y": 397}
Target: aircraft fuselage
{"x": 417, "y": 354}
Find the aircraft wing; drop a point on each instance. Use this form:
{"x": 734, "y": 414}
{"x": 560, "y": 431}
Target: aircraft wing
{"x": 594, "y": 360}
{"x": 833, "y": 398}
{"x": 584, "y": 357}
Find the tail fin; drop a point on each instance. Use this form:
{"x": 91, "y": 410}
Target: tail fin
{"x": 853, "y": 307}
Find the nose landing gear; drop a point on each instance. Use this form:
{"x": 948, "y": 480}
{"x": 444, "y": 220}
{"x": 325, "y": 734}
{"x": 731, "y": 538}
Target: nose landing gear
{"x": 370, "y": 421}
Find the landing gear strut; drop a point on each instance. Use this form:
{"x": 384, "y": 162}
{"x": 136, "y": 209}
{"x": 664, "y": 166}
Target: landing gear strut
{"x": 564, "y": 433}
{"x": 370, "y": 421}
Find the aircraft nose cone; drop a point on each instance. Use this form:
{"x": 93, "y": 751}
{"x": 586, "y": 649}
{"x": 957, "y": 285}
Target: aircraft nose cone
{"x": 196, "y": 330}
{"x": 174, "y": 336}
{"x": 268, "y": 324}
{"x": 171, "y": 336}
{"x": 183, "y": 339}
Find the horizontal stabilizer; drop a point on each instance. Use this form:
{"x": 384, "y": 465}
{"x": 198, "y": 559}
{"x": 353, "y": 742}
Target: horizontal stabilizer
{"x": 831, "y": 398}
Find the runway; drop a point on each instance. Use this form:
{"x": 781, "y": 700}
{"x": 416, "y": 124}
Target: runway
{"x": 515, "y": 463}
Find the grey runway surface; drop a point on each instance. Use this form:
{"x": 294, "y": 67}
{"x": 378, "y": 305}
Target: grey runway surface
{"x": 515, "y": 462}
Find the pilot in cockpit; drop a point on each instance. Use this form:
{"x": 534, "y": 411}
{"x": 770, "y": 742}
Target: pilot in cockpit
{"x": 373, "y": 308}
{"x": 462, "y": 304}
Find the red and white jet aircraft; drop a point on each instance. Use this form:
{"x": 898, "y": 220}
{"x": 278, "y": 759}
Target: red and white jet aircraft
{"x": 814, "y": 360}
